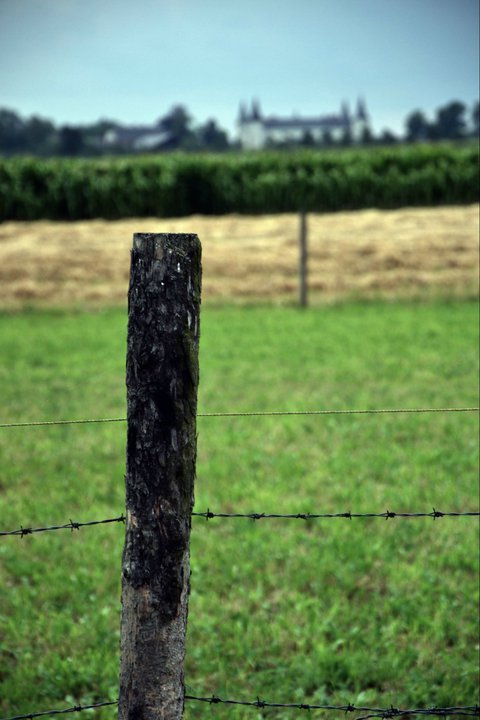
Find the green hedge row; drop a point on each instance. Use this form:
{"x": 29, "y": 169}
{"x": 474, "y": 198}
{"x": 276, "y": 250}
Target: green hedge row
{"x": 178, "y": 184}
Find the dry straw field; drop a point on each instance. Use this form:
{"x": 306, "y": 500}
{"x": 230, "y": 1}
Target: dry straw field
{"x": 370, "y": 253}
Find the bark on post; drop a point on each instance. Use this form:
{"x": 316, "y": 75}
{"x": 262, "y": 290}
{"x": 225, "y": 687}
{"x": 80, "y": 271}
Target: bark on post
{"x": 162, "y": 381}
{"x": 303, "y": 281}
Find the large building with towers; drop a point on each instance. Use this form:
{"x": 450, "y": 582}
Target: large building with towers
{"x": 257, "y": 131}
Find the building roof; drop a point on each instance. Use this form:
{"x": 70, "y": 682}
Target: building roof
{"x": 137, "y": 137}
{"x": 324, "y": 123}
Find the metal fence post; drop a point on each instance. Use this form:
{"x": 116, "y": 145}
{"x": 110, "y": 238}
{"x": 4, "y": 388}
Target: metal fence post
{"x": 303, "y": 258}
{"x": 162, "y": 382}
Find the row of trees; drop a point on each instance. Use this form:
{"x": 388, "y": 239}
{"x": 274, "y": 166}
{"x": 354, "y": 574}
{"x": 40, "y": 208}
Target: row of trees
{"x": 38, "y": 136}
{"x": 453, "y": 121}
{"x": 178, "y": 127}
{"x": 450, "y": 123}
{"x": 176, "y": 130}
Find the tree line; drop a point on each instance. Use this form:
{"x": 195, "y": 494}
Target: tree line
{"x": 450, "y": 123}
{"x": 177, "y": 131}
{"x": 39, "y": 136}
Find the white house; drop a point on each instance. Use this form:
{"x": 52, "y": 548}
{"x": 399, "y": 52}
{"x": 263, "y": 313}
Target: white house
{"x": 257, "y": 132}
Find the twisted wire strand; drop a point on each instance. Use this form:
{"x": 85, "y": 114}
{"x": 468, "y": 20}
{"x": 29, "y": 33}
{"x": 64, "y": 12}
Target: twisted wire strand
{"x": 254, "y": 413}
{"x": 385, "y": 713}
{"x": 208, "y": 515}
{"x": 472, "y": 710}
{"x": 380, "y": 411}
{"x": 22, "y": 531}
{"x": 387, "y": 515}
{"x": 73, "y": 709}
{"x": 41, "y": 423}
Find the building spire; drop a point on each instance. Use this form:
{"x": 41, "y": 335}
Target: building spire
{"x": 345, "y": 112}
{"x": 242, "y": 113}
{"x": 256, "y": 112}
{"x": 362, "y": 113}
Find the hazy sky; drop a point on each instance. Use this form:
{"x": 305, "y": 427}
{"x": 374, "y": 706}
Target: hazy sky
{"x": 75, "y": 61}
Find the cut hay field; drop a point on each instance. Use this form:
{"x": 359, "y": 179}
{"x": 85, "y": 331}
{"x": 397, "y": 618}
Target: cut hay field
{"x": 371, "y": 253}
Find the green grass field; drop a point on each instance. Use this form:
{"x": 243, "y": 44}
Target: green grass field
{"x": 363, "y": 611}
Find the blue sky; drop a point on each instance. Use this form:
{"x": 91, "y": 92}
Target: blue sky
{"x": 75, "y": 61}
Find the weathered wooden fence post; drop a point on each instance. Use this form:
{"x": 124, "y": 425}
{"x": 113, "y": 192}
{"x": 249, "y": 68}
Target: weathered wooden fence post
{"x": 162, "y": 381}
{"x": 302, "y": 273}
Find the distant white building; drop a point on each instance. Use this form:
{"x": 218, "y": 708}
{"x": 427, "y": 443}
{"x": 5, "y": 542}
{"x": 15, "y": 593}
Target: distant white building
{"x": 257, "y": 132}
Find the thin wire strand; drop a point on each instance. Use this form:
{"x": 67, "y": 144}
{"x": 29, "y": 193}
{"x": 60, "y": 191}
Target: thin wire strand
{"x": 269, "y": 413}
{"x": 259, "y": 413}
{"x": 40, "y": 423}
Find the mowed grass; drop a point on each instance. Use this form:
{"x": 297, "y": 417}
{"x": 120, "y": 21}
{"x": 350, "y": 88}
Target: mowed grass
{"x": 366, "y": 611}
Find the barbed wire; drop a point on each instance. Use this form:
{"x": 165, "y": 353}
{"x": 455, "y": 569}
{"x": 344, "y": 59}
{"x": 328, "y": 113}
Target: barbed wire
{"x": 208, "y": 515}
{"x": 385, "y": 713}
{"x": 387, "y": 515}
{"x": 73, "y": 709}
{"x": 253, "y": 413}
{"x": 22, "y": 531}
{"x": 391, "y": 712}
